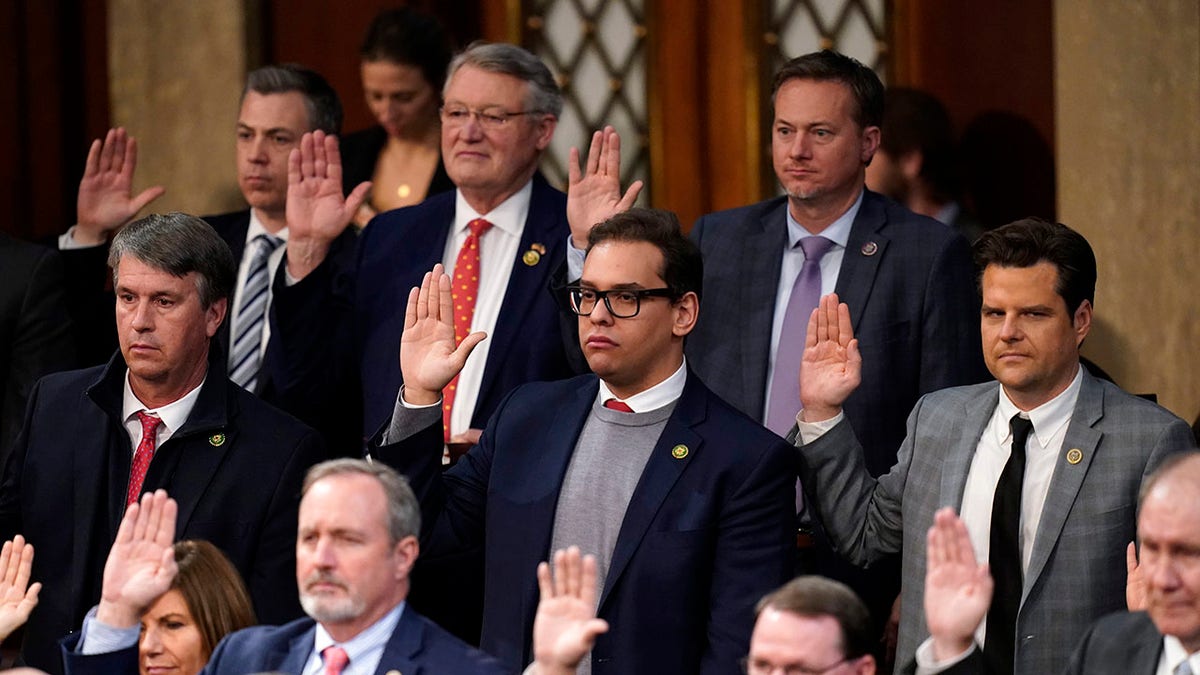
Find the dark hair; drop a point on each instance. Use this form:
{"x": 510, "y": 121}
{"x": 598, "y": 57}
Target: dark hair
{"x": 915, "y": 121}
{"x": 544, "y": 96}
{"x": 407, "y": 37}
{"x": 683, "y": 268}
{"x": 830, "y": 66}
{"x": 814, "y": 596}
{"x": 178, "y": 244}
{"x": 213, "y": 590}
{"x": 404, "y": 512}
{"x": 1029, "y": 241}
{"x": 320, "y": 100}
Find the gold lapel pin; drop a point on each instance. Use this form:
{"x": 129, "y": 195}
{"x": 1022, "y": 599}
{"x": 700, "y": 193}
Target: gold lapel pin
{"x": 531, "y": 257}
{"x": 216, "y": 440}
{"x": 679, "y": 451}
{"x": 1074, "y": 456}
{"x": 870, "y": 248}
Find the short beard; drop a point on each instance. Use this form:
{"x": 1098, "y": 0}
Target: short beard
{"x": 324, "y": 609}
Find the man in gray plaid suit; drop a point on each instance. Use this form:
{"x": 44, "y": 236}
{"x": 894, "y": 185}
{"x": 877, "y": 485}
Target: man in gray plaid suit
{"x": 1083, "y": 447}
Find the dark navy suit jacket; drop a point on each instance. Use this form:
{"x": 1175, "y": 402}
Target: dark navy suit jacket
{"x": 339, "y": 330}
{"x": 417, "y": 647}
{"x": 706, "y": 534}
{"x": 910, "y": 285}
{"x": 234, "y": 467}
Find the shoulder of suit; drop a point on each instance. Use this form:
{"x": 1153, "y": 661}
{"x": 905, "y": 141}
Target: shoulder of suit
{"x": 255, "y": 637}
{"x": 750, "y": 212}
{"x": 264, "y": 415}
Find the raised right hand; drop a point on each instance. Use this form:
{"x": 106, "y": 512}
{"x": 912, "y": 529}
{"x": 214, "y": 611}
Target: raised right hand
{"x": 141, "y": 564}
{"x": 105, "y": 200}
{"x": 316, "y": 211}
{"x": 565, "y": 627}
{"x": 958, "y": 591}
{"x": 831, "y": 368}
{"x": 17, "y": 597}
{"x": 429, "y": 359}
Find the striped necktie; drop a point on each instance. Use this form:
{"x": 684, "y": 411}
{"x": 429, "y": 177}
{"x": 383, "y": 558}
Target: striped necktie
{"x": 245, "y": 352}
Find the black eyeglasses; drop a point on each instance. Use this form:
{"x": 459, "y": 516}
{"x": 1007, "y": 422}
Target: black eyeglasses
{"x": 623, "y": 303}
{"x": 756, "y": 667}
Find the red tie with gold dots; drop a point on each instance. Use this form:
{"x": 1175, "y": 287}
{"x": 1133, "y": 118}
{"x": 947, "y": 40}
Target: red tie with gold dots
{"x": 464, "y": 289}
{"x": 142, "y": 457}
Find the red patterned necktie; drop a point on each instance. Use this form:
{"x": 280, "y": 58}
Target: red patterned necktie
{"x": 464, "y": 289}
{"x": 335, "y": 659}
{"x": 142, "y": 457}
{"x": 614, "y": 404}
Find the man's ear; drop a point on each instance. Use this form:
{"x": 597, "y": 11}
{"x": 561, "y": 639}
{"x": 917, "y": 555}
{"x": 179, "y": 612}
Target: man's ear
{"x": 214, "y": 315}
{"x": 1082, "y": 321}
{"x": 545, "y": 132}
{"x": 686, "y": 311}
{"x": 406, "y": 551}
{"x": 868, "y": 144}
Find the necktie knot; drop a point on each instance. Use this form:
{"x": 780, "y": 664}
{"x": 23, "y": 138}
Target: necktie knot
{"x": 149, "y": 423}
{"x": 1021, "y": 428}
{"x": 335, "y": 659}
{"x": 815, "y": 248}
{"x": 478, "y": 226}
{"x": 614, "y": 404}
{"x": 266, "y": 244}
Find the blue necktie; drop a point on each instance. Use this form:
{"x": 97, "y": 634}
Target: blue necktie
{"x": 245, "y": 352}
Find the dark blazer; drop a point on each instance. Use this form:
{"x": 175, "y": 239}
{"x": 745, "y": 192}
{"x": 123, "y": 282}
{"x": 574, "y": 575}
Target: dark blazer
{"x": 35, "y": 328}
{"x": 339, "y": 330}
{"x": 234, "y": 467}
{"x": 360, "y": 151}
{"x": 417, "y": 647}
{"x": 910, "y": 285}
{"x": 704, "y": 537}
{"x": 1077, "y": 566}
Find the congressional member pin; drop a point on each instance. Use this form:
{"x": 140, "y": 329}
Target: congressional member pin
{"x": 394, "y": 672}
{"x": 216, "y": 440}
{"x": 1074, "y": 456}
{"x": 679, "y": 451}
{"x": 531, "y": 257}
{"x": 870, "y": 248}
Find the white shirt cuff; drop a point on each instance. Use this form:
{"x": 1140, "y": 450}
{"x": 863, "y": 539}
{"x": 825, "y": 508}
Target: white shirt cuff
{"x": 66, "y": 241}
{"x": 575, "y": 258}
{"x": 927, "y": 665}
{"x": 811, "y": 431}
{"x": 101, "y": 638}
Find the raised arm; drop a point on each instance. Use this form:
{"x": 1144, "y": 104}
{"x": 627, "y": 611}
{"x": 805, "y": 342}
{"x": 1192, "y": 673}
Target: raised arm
{"x": 565, "y": 627}
{"x": 106, "y": 200}
{"x": 594, "y": 193}
{"x": 831, "y": 368}
{"x": 141, "y": 563}
{"x": 958, "y": 590}
{"x": 316, "y": 210}
{"x": 17, "y": 597}
{"x": 429, "y": 360}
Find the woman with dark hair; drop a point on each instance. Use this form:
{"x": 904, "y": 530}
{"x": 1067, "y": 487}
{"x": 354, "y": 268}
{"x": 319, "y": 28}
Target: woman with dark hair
{"x": 404, "y": 59}
{"x": 163, "y": 607}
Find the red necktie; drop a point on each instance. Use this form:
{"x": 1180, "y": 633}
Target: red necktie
{"x": 463, "y": 290}
{"x": 614, "y": 404}
{"x": 335, "y": 659}
{"x": 142, "y": 457}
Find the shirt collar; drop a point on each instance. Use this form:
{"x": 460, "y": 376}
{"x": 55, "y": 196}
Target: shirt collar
{"x": 667, "y": 391}
{"x": 1174, "y": 653}
{"x": 256, "y": 228}
{"x": 1048, "y": 417}
{"x": 375, "y": 635}
{"x": 838, "y": 231}
{"x": 509, "y": 216}
{"x": 173, "y": 414}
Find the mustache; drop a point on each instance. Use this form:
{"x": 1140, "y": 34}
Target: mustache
{"x": 324, "y": 577}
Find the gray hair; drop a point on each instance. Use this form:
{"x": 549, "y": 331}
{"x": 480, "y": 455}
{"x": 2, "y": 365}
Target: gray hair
{"x": 404, "y": 513}
{"x": 178, "y": 243}
{"x": 505, "y": 59}
{"x": 320, "y": 100}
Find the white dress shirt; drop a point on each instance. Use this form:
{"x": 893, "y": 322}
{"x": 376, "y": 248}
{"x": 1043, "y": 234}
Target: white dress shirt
{"x": 1173, "y": 655}
{"x": 365, "y": 649}
{"x": 497, "y": 253}
{"x": 663, "y": 393}
{"x": 256, "y": 228}
{"x": 173, "y": 415}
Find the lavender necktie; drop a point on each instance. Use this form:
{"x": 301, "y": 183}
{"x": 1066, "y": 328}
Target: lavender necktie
{"x": 785, "y": 380}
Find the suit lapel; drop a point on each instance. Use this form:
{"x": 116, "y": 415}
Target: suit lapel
{"x": 1067, "y": 478}
{"x": 404, "y": 644}
{"x": 976, "y": 412}
{"x": 292, "y": 656}
{"x": 864, "y": 250}
{"x": 545, "y": 227}
{"x": 762, "y": 260}
{"x": 661, "y": 472}
{"x": 89, "y": 468}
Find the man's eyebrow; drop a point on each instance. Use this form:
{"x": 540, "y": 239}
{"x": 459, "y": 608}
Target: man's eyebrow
{"x": 615, "y": 287}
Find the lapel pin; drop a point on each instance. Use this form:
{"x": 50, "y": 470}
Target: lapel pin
{"x": 531, "y": 257}
{"x": 216, "y": 440}
{"x": 870, "y": 248}
{"x": 679, "y": 451}
{"x": 1074, "y": 456}
{"x": 394, "y": 672}
{"x": 538, "y": 247}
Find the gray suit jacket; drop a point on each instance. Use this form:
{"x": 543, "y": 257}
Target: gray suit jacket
{"x": 1077, "y": 569}
{"x": 910, "y": 286}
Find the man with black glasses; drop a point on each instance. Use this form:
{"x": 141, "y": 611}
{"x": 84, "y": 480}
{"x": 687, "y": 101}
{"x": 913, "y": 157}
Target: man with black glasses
{"x": 686, "y": 503}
